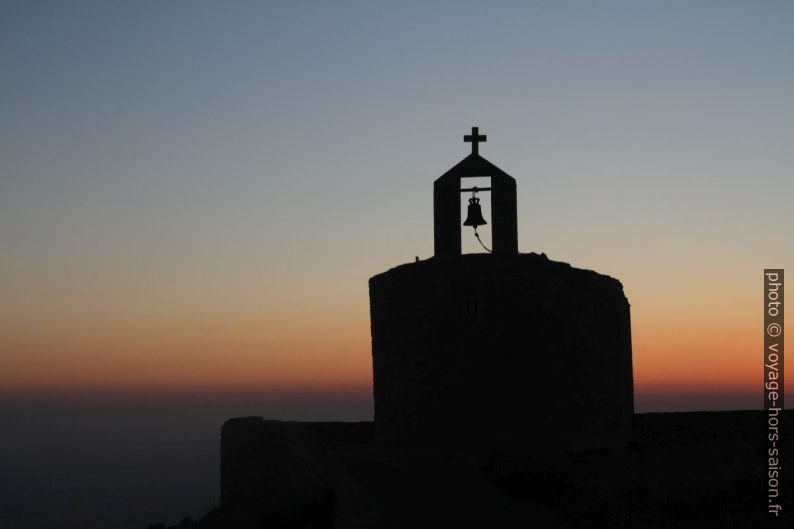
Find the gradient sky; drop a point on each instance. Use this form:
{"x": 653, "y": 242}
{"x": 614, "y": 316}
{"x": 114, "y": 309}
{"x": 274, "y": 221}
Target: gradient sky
{"x": 194, "y": 194}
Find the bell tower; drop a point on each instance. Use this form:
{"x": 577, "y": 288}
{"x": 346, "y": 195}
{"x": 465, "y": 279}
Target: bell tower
{"x": 509, "y": 350}
{"x": 446, "y": 202}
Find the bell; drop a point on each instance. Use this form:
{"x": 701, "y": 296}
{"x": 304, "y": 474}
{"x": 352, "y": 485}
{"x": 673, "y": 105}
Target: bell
{"x": 474, "y": 217}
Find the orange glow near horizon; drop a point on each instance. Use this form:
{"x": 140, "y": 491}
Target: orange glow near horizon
{"x": 320, "y": 349}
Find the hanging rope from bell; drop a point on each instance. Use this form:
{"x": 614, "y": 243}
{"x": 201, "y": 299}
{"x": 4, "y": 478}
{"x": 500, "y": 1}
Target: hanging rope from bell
{"x": 474, "y": 217}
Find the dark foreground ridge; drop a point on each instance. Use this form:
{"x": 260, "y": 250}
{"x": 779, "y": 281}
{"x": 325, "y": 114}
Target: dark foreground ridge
{"x": 681, "y": 470}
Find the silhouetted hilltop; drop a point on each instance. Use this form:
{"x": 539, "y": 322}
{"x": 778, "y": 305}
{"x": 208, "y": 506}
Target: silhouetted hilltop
{"x": 681, "y": 470}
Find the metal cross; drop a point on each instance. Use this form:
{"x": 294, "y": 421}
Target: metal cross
{"x": 474, "y": 138}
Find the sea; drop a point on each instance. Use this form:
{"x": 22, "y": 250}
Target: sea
{"x": 125, "y": 462}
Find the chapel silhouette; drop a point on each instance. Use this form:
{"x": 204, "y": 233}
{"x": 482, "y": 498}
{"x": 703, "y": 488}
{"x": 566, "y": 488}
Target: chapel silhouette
{"x": 472, "y": 354}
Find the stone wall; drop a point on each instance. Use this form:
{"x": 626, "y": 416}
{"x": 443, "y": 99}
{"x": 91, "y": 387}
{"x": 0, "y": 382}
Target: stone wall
{"x": 512, "y": 351}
